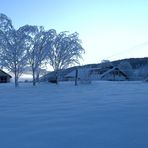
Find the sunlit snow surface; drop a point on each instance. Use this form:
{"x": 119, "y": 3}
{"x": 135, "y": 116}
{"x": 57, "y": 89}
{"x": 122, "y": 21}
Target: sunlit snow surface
{"x": 100, "y": 115}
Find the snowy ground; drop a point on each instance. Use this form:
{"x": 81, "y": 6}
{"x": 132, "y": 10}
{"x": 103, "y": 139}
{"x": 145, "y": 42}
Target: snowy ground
{"x": 100, "y": 115}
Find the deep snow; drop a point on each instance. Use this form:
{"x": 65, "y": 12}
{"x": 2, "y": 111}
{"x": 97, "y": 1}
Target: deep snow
{"x": 99, "y": 115}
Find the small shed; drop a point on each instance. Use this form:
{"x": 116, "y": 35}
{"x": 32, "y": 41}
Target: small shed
{"x": 4, "y": 77}
{"x": 114, "y": 74}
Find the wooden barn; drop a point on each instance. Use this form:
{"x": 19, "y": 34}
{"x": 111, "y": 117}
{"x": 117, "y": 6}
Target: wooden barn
{"x": 4, "y": 77}
{"x": 114, "y": 74}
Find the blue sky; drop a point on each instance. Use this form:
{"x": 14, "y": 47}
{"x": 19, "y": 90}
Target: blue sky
{"x": 109, "y": 29}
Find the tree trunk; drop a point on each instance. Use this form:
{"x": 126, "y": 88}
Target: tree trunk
{"x": 16, "y": 76}
{"x": 56, "y": 77}
{"x": 37, "y": 77}
{"x": 16, "y": 79}
{"x": 76, "y": 77}
{"x": 33, "y": 75}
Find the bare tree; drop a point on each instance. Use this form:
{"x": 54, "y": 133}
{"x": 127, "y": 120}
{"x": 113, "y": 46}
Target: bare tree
{"x": 12, "y": 45}
{"x": 66, "y": 50}
{"x": 39, "y": 41}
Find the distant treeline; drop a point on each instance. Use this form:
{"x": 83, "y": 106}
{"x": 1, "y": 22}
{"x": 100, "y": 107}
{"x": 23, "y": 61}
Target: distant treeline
{"x": 136, "y": 63}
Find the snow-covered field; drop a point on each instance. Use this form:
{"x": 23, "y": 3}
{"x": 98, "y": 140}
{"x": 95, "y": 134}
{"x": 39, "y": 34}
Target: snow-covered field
{"x": 100, "y": 115}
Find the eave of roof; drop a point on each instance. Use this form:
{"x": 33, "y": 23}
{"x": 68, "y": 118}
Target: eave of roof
{"x": 6, "y": 73}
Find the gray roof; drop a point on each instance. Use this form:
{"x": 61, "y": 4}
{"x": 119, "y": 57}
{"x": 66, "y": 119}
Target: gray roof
{"x": 114, "y": 69}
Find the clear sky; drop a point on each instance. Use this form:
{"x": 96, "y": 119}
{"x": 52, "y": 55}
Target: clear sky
{"x": 109, "y": 29}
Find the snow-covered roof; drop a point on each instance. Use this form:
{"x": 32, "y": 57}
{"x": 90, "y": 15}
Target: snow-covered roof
{"x": 114, "y": 69}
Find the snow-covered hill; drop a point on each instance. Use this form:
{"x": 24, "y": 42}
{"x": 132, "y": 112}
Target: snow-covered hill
{"x": 100, "y": 115}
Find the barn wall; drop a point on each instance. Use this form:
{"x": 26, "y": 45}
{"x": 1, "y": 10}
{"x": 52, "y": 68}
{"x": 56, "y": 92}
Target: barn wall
{"x": 4, "y": 78}
{"x": 111, "y": 77}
